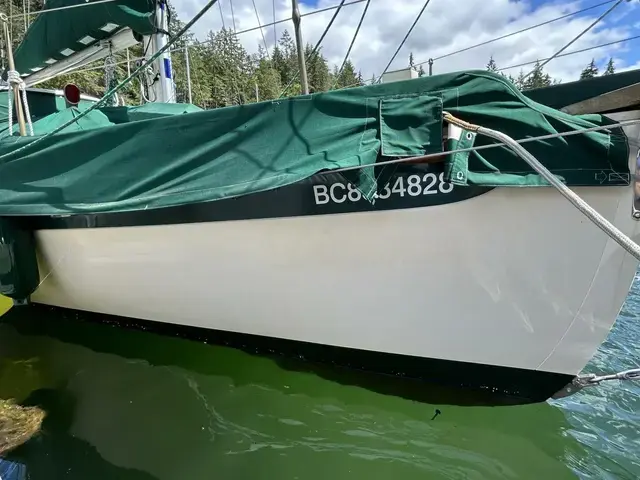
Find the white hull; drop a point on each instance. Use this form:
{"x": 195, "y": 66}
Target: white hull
{"x": 515, "y": 277}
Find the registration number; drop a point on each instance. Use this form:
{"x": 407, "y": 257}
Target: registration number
{"x": 412, "y": 186}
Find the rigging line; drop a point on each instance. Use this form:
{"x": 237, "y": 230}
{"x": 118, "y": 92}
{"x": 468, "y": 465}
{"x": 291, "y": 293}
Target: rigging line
{"x": 596, "y": 21}
{"x": 233, "y": 16}
{"x": 275, "y": 35}
{"x": 120, "y": 86}
{"x": 623, "y": 123}
{"x": 315, "y": 49}
{"x": 261, "y": 31}
{"x": 562, "y": 17}
{"x": 221, "y": 14}
{"x": 524, "y": 64}
{"x": 566, "y": 54}
{"x": 67, "y": 7}
{"x": 407, "y": 36}
{"x": 573, "y": 52}
{"x": 284, "y": 20}
{"x": 353, "y": 40}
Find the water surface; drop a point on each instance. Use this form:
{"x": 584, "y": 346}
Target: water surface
{"x": 126, "y": 404}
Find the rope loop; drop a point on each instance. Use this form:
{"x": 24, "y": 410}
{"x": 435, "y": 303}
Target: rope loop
{"x": 14, "y": 79}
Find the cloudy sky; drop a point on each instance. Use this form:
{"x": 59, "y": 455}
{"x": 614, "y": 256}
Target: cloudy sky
{"x": 445, "y": 26}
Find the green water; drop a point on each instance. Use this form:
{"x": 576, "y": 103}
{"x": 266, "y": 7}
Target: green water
{"x": 134, "y": 405}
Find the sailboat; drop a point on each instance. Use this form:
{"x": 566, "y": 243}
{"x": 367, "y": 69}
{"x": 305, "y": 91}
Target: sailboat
{"x": 352, "y": 226}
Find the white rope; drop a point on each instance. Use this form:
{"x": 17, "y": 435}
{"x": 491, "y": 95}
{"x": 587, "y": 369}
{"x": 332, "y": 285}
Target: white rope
{"x": 13, "y": 77}
{"x": 10, "y": 109}
{"x": 27, "y": 112}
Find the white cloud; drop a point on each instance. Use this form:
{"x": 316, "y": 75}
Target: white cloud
{"x": 445, "y": 26}
{"x": 625, "y": 68}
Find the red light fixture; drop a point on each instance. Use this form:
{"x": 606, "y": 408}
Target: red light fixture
{"x": 71, "y": 94}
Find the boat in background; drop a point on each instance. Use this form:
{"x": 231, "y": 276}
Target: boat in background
{"x": 280, "y": 226}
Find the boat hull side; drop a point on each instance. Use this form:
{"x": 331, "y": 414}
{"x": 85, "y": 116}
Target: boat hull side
{"x": 502, "y": 279}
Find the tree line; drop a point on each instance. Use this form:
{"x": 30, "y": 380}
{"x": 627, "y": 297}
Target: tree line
{"x": 223, "y": 73}
{"x": 538, "y": 78}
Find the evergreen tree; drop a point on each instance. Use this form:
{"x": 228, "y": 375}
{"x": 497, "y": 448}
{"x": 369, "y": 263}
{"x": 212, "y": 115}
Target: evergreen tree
{"x": 278, "y": 61}
{"x": 318, "y": 74}
{"x": 491, "y": 66}
{"x": 288, "y": 66}
{"x": 520, "y": 80}
{"x": 347, "y": 78}
{"x": 421, "y": 72}
{"x": 222, "y": 73}
{"x": 267, "y": 79}
{"x": 411, "y": 61}
{"x": 537, "y": 79}
{"x": 590, "y": 71}
{"x": 610, "y": 70}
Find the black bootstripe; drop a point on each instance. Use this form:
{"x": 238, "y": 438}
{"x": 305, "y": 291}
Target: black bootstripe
{"x": 417, "y": 378}
{"x": 291, "y": 201}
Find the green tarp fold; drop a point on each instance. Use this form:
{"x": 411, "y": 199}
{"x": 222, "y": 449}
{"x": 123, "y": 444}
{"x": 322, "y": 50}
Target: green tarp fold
{"x": 458, "y": 172}
{"x": 147, "y": 111}
{"x": 229, "y": 152}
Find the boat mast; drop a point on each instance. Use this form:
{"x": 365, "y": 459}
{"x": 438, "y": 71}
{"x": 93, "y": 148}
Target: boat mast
{"x": 162, "y": 87}
{"x": 300, "y": 47}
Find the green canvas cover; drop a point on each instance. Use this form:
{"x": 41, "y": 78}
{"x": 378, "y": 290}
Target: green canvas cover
{"x": 229, "y": 152}
{"x": 41, "y": 104}
{"x": 94, "y": 119}
{"x": 51, "y": 34}
{"x": 147, "y": 111}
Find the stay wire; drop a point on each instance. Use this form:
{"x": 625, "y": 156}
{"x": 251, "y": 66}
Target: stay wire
{"x": 593, "y": 24}
{"x": 233, "y": 16}
{"x": 221, "y": 15}
{"x": 67, "y": 7}
{"x": 118, "y": 87}
{"x": 315, "y": 49}
{"x": 573, "y": 52}
{"x": 255, "y": 9}
{"x": 275, "y": 34}
{"x": 517, "y": 32}
{"x": 405, "y": 38}
{"x": 524, "y": 64}
{"x": 314, "y": 12}
{"x": 353, "y": 40}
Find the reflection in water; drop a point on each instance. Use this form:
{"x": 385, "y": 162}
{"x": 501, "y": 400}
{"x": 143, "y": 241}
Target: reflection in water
{"x": 128, "y": 404}
{"x": 134, "y": 405}
{"x": 56, "y": 453}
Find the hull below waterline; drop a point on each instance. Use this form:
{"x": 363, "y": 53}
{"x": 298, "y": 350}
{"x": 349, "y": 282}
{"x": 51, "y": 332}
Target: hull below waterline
{"x": 512, "y": 290}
